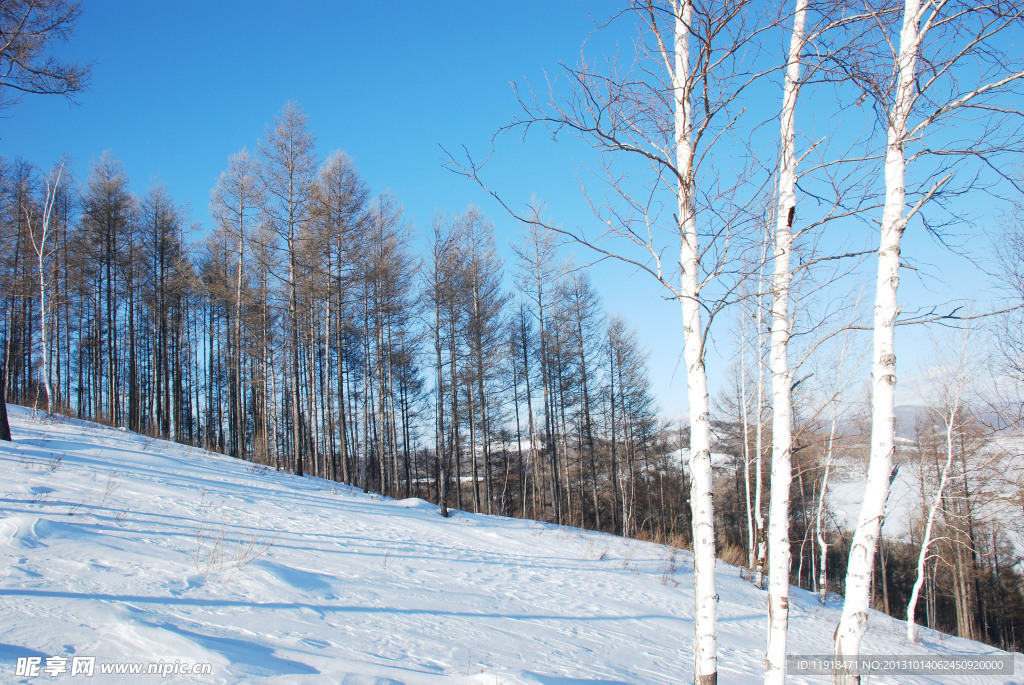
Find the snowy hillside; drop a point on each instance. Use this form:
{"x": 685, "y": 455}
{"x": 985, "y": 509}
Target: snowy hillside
{"x": 135, "y": 550}
{"x": 996, "y": 477}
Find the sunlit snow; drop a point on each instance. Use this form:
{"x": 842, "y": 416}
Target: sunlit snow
{"x": 131, "y": 549}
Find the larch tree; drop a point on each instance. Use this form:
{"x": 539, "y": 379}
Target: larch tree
{"x": 287, "y": 173}
{"x": 584, "y": 308}
{"x": 14, "y": 178}
{"x": 107, "y": 206}
{"x": 630, "y": 416}
{"x": 485, "y": 303}
{"x": 234, "y": 204}
{"x": 165, "y": 254}
{"x": 438, "y": 290}
{"x": 341, "y": 205}
{"x": 538, "y": 273}
{"x": 29, "y": 30}
{"x": 388, "y": 308}
{"x": 522, "y": 340}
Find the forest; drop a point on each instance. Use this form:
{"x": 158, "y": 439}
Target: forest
{"x": 314, "y": 329}
{"x": 306, "y": 333}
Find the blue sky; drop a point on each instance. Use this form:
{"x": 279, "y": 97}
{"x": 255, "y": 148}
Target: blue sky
{"x": 179, "y": 86}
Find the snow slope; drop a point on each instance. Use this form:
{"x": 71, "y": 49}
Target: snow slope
{"x": 137, "y": 550}
{"x": 996, "y": 478}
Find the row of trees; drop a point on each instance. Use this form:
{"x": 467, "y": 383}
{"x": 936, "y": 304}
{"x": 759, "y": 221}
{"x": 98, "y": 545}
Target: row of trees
{"x": 525, "y": 402}
{"x": 950, "y": 554}
{"x": 306, "y": 333}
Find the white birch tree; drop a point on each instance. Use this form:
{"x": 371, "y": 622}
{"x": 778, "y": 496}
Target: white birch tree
{"x": 782, "y": 400}
{"x": 946, "y": 65}
{"x": 744, "y": 411}
{"x": 846, "y": 200}
{"x": 665, "y": 115}
{"x": 40, "y": 230}
{"x": 950, "y": 413}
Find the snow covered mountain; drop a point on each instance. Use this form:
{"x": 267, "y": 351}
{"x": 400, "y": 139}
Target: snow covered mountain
{"x": 121, "y": 551}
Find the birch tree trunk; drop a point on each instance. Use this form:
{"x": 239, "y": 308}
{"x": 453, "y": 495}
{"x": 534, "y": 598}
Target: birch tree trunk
{"x": 39, "y": 245}
{"x": 705, "y": 645}
{"x": 853, "y": 622}
{"x": 745, "y": 430}
{"x": 820, "y": 515}
{"x": 950, "y": 413}
{"x": 759, "y": 533}
{"x": 922, "y": 557}
{"x": 782, "y": 416}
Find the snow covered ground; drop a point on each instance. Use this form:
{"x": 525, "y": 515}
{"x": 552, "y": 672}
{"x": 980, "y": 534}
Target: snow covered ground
{"x": 133, "y": 550}
{"x": 996, "y": 479}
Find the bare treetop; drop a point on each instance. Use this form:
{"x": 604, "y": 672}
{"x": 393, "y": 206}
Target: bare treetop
{"x": 28, "y": 29}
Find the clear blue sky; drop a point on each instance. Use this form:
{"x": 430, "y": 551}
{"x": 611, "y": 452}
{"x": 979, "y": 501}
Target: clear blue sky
{"x": 179, "y": 86}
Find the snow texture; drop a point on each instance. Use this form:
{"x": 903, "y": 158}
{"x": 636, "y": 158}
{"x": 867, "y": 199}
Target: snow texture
{"x": 132, "y": 549}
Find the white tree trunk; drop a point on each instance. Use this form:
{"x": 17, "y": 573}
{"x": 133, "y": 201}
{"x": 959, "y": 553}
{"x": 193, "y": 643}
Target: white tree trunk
{"x": 819, "y": 515}
{"x": 745, "y": 423}
{"x": 782, "y": 416}
{"x": 853, "y": 622}
{"x": 43, "y": 319}
{"x": 951, "y": 410}
{"x": 705, "y": 647}
{"x": 39, "y": 245}
{"x": 926, "y": 540}
{"x": 759, "y": 430}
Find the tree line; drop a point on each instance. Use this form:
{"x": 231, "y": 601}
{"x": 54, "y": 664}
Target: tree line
{"x": 305, "y": 332}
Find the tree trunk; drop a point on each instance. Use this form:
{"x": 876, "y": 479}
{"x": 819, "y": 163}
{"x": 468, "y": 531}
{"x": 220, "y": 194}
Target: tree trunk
{"x": 5, "y": 426}
{"x": 705, "y": 597}
{"x": 782, "y": 401}
{"x": 853, "y": 622}
{"x": 819, "y": 515}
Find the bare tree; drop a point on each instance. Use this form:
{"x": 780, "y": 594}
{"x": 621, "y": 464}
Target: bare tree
{"x": 1009, "y": 333}
{"x": 438, "y": 287}
{"x": 539, "y": 273}
{"x": 665, "y": 113}
{"x": 948, "y": 64}
{"x": 485, "y": 302}
{"x": 234, "y": 203}
{"x": 951, "y": 414}
{"x": 28, "y": 29}
{"x": 341, "y": 200}
{"x": 782, "y": 381}
{"x": 287, "y": 171}
{"x": 40, "y": 230}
